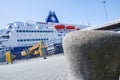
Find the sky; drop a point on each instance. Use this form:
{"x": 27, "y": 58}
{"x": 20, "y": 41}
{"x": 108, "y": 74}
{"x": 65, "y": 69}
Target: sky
{"x": 67, "y": 11}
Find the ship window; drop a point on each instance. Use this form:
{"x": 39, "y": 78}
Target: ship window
{"x": 7, "y": 32}
{"x": 21, "y": 40}
{"x": 37, "y": 31}
{"x": 59, "y": 34}
{"x": 24, "y": 39}
{"x": 26, "y": 30}
{"x": 18, "y": 40}
{"x": 20, "y": 31}
{"x": 51, "y": 31}
{"x": 28, "y": 40}
{"x": 5, "y": 37}
{"x": 32, "y": 39}
{"x": 23, "y": 30}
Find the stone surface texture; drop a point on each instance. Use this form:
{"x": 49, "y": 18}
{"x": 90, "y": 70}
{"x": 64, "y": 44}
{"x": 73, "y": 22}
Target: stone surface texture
{"x": 52, "y": 68}
{"x": 92, "y": 55}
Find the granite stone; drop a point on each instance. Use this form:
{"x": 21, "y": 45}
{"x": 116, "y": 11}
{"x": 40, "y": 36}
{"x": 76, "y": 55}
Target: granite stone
{"x": 92, "y": 55}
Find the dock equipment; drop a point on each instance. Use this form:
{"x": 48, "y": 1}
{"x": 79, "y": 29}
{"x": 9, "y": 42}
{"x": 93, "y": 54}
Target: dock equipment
{"x": 36, "y": 49}
{"x": 8, "y": 57}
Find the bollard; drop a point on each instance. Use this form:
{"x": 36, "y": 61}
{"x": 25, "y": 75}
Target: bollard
{"x": 40, "y": 49}
{"x": 92, "y": 55}
{"x": 8, "y": 57}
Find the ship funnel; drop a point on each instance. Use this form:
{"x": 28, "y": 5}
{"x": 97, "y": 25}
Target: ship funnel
{"x": 52, "y": 17}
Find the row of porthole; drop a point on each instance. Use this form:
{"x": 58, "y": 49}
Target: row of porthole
{"x": 34, "y": 35}
{"x": 22, "y": 44}
{"x": 24, "y": 40}
{"x": 33, "y": 31}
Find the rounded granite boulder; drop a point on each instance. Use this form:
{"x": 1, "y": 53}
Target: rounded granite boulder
{"x": 92, "y": 55}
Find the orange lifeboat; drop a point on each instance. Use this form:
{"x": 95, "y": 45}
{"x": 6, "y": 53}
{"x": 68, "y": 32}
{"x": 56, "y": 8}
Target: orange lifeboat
{"x": 59, "y": 27}
{"x": 70, "y": 27}
{"x": 77, "y": 28}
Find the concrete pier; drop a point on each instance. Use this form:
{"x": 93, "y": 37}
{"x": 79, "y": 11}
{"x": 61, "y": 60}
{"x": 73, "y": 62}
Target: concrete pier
{"x": 92, "y": 55}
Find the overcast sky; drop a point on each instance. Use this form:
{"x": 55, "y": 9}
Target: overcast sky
{"x": 67, "y": 11}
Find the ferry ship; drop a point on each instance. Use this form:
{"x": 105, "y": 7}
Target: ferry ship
{"x": 20, "y": 35}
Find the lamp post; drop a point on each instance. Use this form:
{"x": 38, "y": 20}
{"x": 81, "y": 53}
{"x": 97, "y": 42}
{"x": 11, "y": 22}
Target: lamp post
{"x": 104, "y": 2}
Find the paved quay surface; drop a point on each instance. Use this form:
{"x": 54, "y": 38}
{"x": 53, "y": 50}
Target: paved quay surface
{"x": 52, "y": 68}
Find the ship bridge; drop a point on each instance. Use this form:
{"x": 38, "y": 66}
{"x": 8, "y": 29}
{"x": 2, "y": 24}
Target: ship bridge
{"x": 111, "y": 25}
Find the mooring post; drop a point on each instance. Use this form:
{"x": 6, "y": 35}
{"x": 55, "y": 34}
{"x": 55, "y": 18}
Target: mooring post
{"x": 92, "y": 55}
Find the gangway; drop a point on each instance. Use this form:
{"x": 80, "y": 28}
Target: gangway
{"x": 111, "y": 25}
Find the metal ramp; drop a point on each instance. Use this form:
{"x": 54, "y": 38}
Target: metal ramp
{"x": 111, "y": 25}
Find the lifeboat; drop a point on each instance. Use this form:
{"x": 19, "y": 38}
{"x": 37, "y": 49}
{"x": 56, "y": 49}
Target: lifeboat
{"x": 77, "y": 28}
{"x": 70, "y": 27}
{"x": 59, "y": 27}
